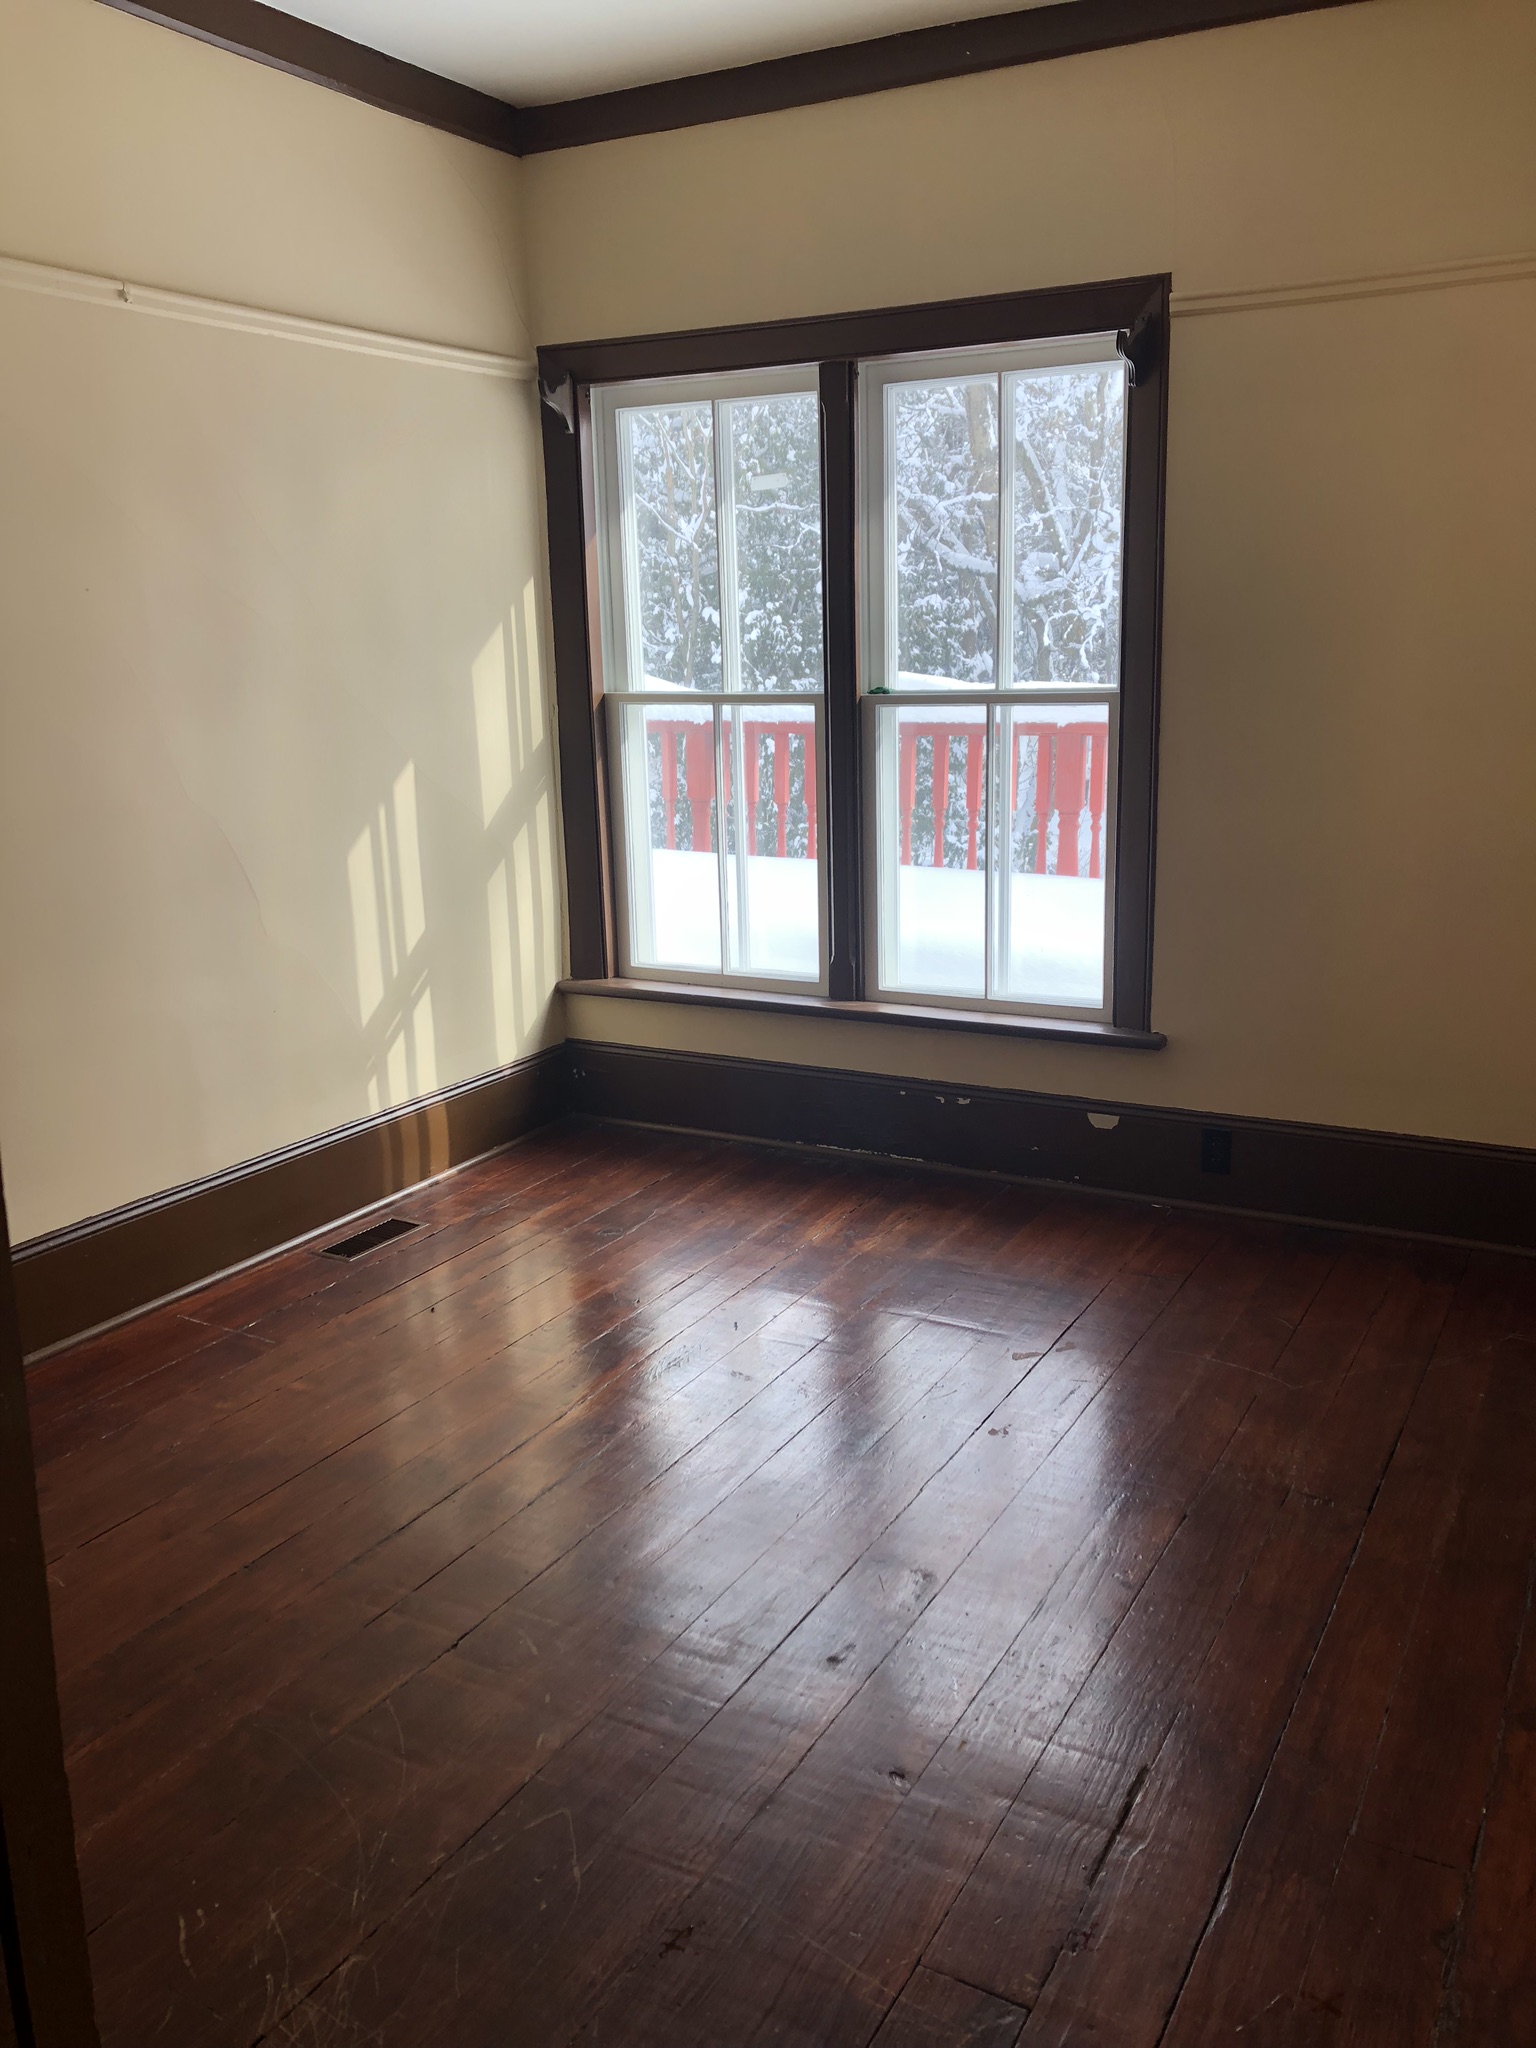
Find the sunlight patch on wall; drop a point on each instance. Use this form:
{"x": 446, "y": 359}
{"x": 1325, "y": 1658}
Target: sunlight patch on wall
{"x": 424, "y": 1035}
{"x": 365, "y": 924}
{"x": 549, "y": 893}
{"x": 397, "y": 1071}
{"x": 493, "y": 734}
{"x": 526, "y": 928}
{"x": 387, "y": 874}
{"x": 413, "y": 908}
{"x": 503, "y": 988}
{"x": 530, "y": 678}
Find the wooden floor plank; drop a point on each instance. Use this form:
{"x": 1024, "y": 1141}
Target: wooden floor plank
{"x": 706, "y": 1812}
{"x": 688, "y": 1593}
{"x": 315, "y": 1452}
{"x": 834, "y": 1804}
{"x": 935, "y": 2011}
{"x": 1490, "y": 1991}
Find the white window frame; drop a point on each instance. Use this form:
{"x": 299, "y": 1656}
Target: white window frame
{"x": 879, "y": 686}
{"x": 622, "y": 678}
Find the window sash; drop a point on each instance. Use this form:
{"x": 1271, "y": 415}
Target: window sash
{"x": 731, "y": 833}
{"x": 883, "y": 695}
{"x": 618, "y": 542}
{"x": 879, "y": 380}
{"x": 883, "y": 845}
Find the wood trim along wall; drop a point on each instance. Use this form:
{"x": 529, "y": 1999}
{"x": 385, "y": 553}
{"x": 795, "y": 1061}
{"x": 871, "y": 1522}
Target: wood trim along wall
{"x": 46, "y": 1970}
{"x": 282, "y": 41}
{"x": 110, "y": 1267}
{"x": 1426, "y": 1187}
{"x": 1017, "y": 1025}
{"x": 97, "y": 1271}
{"x": 19, "y": 274}
{"x": 1067, "y": 28}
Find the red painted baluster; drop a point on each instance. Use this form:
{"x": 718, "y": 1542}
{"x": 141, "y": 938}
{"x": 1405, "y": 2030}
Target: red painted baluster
{"x": 781, "y": 784}
{"x": 908, "y": 791}
{"x": 1071, "y": 776}
{"x": 1045, "y": 747}
{"x": 940, "y": 790}
{"x": 699, "y": 769}
{"x": 1097, "y": 776}
{"x": 752, "y": 736}
{"x": 808, "y": 742}
{"x": 975, "y": 755}
{"x": 669, "y": 781}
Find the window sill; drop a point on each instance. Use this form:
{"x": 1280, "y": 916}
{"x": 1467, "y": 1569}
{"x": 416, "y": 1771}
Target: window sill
{"x": 997, "y": 1024}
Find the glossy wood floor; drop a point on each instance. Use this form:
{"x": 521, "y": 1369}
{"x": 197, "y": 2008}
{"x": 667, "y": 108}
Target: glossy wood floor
{"x": 693, "y": 1595}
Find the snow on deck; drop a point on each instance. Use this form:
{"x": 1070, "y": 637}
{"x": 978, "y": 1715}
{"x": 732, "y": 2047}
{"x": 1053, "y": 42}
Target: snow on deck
{"x": 1056, "y": 939}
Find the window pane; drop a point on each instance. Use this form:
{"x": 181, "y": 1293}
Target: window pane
{"x": 776, "y": 478}
{"x": 932, "y": 774}
{"x": 673, "y": 580}
{"x": 773, "y": 898}
{"x": 1068, "y": 493}
{"x": 1048, "y": 895}
{"x": 672, "y": 835}
{"x": 942, "y": 458}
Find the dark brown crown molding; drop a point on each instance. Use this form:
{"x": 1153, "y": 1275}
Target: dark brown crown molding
{"x": 1067, "y": 28}
{"x": 305, "y": 51}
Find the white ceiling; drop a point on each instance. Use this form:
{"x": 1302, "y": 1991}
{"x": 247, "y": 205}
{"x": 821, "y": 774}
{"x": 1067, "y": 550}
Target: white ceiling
{"x": 534, "y": 51}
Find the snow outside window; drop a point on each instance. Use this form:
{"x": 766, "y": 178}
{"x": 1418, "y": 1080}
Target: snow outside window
{"x": 993, "y": 491}
{"x": 710, "y": 540}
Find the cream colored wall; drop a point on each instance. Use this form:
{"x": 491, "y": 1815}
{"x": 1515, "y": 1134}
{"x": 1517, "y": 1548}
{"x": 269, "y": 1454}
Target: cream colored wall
{"x": 1347, "y": 844}
{"x": 277, "y": 829}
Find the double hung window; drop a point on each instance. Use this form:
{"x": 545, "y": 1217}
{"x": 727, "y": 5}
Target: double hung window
{"x": 992, "y": 518}
{"x": 711, "y": 616}
{"x": 857, "y": 641}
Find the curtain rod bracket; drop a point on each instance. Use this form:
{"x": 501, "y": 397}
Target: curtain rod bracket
{"x": 560, "y": 397}
{"x": 1138, "y": 346}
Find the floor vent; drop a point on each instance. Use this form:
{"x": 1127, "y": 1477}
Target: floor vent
{"x": 370, "y": 1239}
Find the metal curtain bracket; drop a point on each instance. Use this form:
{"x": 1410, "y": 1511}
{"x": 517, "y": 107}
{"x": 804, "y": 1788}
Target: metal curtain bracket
{"x": 560, "y": 397}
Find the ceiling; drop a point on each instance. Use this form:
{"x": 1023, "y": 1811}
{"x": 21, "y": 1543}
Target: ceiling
{"x": 534, "y": 51}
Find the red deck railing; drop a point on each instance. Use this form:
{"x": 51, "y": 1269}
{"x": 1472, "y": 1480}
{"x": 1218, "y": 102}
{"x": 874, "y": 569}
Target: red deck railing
{"x": 1069, "y": 760}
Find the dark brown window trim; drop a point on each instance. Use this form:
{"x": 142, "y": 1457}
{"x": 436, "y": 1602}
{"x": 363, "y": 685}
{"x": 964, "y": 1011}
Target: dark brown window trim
{"x": 1069, "y": 28}
{"x": 1135, "y": 307}
{"x": 993, "y": 1023}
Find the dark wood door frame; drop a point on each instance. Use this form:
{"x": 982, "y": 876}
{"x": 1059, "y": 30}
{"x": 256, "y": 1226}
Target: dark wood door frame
{"x": 42, "y": 1922}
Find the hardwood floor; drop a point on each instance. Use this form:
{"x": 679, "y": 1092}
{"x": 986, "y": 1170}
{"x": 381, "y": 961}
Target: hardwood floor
{"x": 685, "y": 1594}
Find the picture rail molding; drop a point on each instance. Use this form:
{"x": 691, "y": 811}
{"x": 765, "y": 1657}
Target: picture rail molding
{"x": 19, "y": 273}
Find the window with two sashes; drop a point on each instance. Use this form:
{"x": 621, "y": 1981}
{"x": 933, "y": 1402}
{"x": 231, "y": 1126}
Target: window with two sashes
{"x": 869, "y": 667}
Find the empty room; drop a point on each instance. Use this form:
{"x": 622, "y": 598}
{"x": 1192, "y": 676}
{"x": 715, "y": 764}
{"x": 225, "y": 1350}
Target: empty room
{"x": 767, "y": 1084}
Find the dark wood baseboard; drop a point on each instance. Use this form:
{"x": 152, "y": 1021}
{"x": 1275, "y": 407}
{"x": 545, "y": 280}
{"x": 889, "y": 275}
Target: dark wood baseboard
{"x": 108, "y": 1266}
{"x": 1428, "y": 1187}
